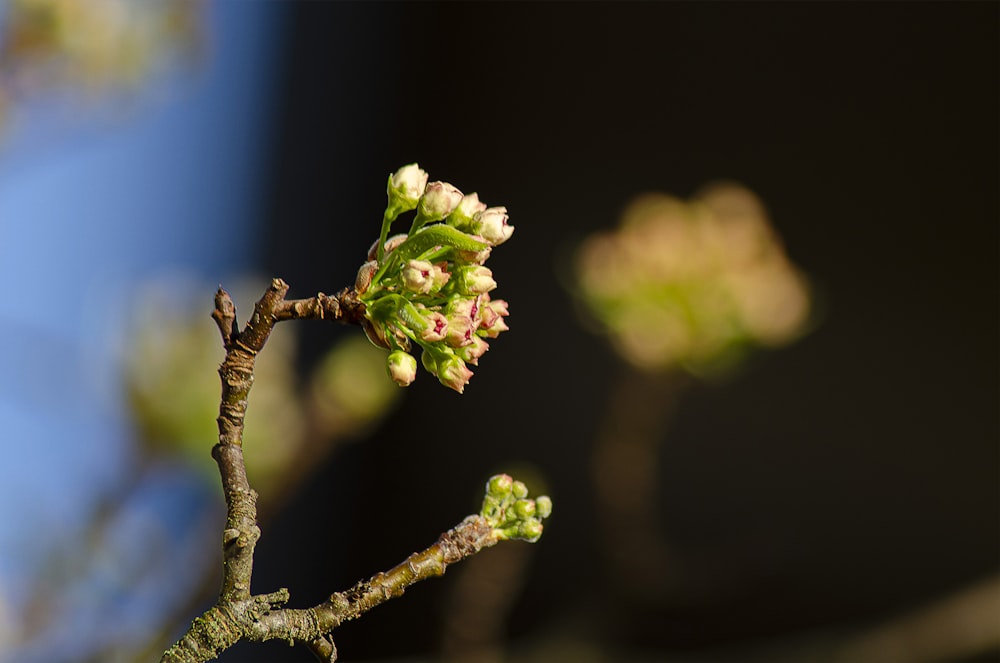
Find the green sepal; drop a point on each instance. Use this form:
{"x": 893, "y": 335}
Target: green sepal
{"x": 393, "y": 306}
{"x": 411, "y": 317}
{"x": 384, "y": 309}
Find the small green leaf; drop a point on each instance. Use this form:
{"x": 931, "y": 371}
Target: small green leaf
{"x": 436, "y": 235}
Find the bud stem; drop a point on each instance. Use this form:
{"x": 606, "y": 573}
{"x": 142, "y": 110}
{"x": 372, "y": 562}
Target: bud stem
{"x": 387, "y": 220}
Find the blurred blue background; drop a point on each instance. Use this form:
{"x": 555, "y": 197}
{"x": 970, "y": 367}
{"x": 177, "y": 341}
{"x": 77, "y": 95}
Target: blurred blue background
{"x": 99, "y": 194}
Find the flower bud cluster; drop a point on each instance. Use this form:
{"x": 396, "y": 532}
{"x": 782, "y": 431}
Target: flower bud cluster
{"x": 430, "y": 287}
{"x": 511, "y": 513}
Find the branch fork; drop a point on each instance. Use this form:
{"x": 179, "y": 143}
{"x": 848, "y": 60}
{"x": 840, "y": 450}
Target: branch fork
{"x": 239, "y": 615}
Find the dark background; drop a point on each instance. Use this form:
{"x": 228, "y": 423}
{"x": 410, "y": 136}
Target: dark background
{"x": 836, "y": 482}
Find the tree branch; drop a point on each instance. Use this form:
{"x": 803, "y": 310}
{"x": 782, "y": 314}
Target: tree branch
{"x": 259, "y": 618}
{"x": 238, "y": 615}
{"x": 466, "y": 539}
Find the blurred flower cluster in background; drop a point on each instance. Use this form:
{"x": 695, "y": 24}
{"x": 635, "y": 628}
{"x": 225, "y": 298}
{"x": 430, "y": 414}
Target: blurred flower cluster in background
{"x": 172, "y": 389}
{"x": 692, "y": 284}
{"x": 82, "y": 52}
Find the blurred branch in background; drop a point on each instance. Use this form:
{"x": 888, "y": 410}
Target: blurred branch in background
{"x": 480, "y": 603}
{"x": 960, "y": 626}
{"x": 957, "y": 627}
{"x": 485, "y": 591}
{"x": 681, "y": 289}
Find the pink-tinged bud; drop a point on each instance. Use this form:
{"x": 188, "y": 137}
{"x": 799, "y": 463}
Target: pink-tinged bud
{"x": 499, "y": 306}
{"x": 471, "y": 353}
{"x": 402, "y": 368}
{"x": 437, "y": 329}
{"x": 461, "y": 217}
{"x": 491, "y": 309}
{"x": 474, "y": 279}
{"x": 418, "y": 276}
{"x": 494, "y": 330}
{"x": 464, "y": 307}
{"x": 438, "y": 201}
{"x": 405, "y": 188}
{"x": 439, "y": 276}
{"x": 491, "y": 316}
{"x": 461, "y": 331}
{"x": 453, "y": 373}
{"x": 492, "y": 225}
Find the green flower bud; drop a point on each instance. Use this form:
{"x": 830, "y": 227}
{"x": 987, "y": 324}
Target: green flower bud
{"x": 519, "y": 490}
{"x": 530, "y": 530}
{"x": 543, "y": 506}
{"x": 462, "y": 216}
{"x": 402, "y": 368}
{"x": 492, "y": 225}
{"x": 429, "y": 362}
{"x": 471, "y": 353}
{"x": 418, "y": 276}
{"x": 453, "y": 373}
{"x": 524, "y": 508}
{"x": 438, "y": 201}
{"x": 500, "y": 485}
{"x": 405, "y": 188}
{"x": 473, "y": 279}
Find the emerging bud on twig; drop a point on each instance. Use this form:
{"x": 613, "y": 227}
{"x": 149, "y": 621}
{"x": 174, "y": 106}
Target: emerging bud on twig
{"x": 510, "y": 512}
{"x": 543, "y": 506}
{"x": 500, "y": 485}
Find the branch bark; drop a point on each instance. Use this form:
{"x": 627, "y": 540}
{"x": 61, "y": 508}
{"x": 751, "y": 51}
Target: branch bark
{"x": 238, "y": 615}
